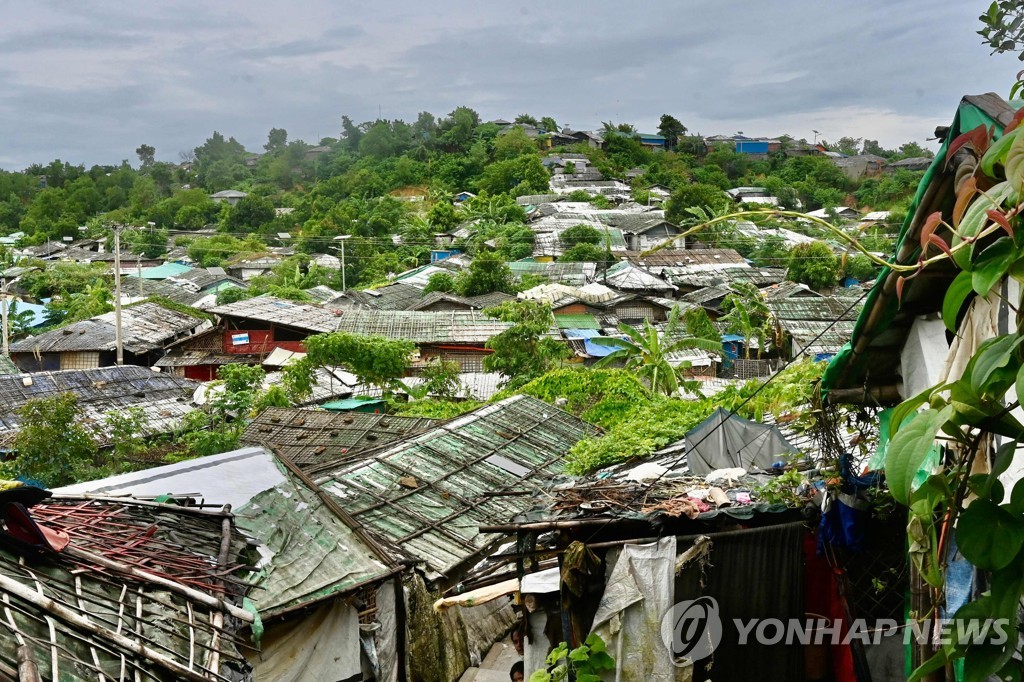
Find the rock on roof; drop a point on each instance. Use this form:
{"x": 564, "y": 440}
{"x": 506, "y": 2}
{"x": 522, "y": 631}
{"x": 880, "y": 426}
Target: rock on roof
{"x": 315, "y": 438}
{"x": 163, "y": 398}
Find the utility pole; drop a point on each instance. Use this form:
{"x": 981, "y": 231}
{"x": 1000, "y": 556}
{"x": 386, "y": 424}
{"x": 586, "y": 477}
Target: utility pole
{"x": 117, "y": 295}
{"x": 3, "y": 306}
{"x": 341, "y": 238}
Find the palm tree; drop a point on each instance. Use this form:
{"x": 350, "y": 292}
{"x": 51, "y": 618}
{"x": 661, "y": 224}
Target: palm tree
{"x": 747, "y": 315}
{"x": 646, "y": 352}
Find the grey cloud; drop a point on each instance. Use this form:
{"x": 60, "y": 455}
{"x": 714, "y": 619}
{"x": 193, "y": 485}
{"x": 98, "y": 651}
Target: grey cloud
{"x": 169, "y": 74}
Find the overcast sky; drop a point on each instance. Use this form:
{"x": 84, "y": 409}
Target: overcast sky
{"x": 88, "y": 82}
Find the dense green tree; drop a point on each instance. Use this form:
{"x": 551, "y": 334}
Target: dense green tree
{"x": 860, "y": 267}
{"x": 697, "y": 195}
{"x": 698, "y": 324}
{"x": 513, "y": 143}
{"x": 249, "y": 214}
{"x": 671, "y": 128}
{"x": 52, "y": 443}
{"x": 548, "y": 124}
{"x": 456, "y": 130}
{"x": 440, "y": 281}
{"x": 442, "y": 216}
{"x": 584, "y": 253}
{"x": 517, "y": 176}
{"x": 375, "y": 360}
{"x": 146, "y": 154}
{"x": 525, "y": 350}
{"x": 487, "y": 273}
{"x": 579, "y": 234}
{"x": 277, "y": 138}
{"x": 813, "y": 264}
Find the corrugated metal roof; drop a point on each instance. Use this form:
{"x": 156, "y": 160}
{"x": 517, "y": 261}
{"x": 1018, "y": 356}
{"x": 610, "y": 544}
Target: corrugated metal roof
{"x": 834, "y": 334}
{"x": 821, "y": 309}
{"x": 449, "y": 326}
{"x": 144, "y": 327}
{"x": 314, "y": 438}
{"x": 133, "y": 287}
{"x": 307, "y": 552}
{"x": 165, "y": 399}
{"x": 302, "y": 316}
{"x": 429, "y": 494}
{"x": 397, "y": 296}
{"x": 683, "y": 258}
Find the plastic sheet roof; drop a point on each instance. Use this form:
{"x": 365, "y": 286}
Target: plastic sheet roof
{"x": 427, "y": 495}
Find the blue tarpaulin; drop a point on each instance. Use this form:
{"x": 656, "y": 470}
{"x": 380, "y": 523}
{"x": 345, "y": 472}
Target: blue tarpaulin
{"x": 593, "y": 350}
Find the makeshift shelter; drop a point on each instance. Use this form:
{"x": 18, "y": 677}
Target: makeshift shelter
{"x": 315, "y": 566}
{"x": 725, "y": 440}
{"x": 118, "y": 589}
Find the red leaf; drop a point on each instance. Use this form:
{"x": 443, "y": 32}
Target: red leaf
{"x": 963, "y": 199}
{"x": 1017, "y": 118}
{"x": 941, "y": 243}
{"x": 978, "y": 138}
{"x": 1000, "y": 219}
{"x": 929, "y": 227}
{"x": 900, "y": 281}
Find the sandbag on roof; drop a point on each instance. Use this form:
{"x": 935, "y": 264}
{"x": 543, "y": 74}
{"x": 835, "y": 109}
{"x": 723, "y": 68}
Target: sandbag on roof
{"x": 723, "y": 440}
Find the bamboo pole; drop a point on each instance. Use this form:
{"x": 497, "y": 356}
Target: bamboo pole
{"x": 78, "y": 621}
{"x": 184, "y": 590}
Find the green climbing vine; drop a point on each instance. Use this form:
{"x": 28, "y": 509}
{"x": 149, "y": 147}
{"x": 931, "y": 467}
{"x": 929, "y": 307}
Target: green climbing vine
{"x": 965, "y": 416}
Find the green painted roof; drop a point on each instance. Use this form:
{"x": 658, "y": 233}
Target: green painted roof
{"x": 350, "y": 404}
{"x": 577, "y": 321}
{"x": 164, "y": 271}
{"x": 314, "y": 554}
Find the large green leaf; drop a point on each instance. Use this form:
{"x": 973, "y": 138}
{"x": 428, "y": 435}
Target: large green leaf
{"x": 992, "y": 356}
{"x": 988, "y": 535}
{"x": 956, "y": 294}
{"x": 909, "y": 407}
{"x": 996, "y": 153}
{"x": 908, "y": 449}
{"x": 936, "y": 662}
{"x": 993, "y": 264}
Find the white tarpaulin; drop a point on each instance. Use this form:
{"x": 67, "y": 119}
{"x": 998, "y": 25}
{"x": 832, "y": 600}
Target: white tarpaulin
{"x": 321, "y": 647}
{"x": 923, "y": 355}
{"x": 638, "y": 592}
